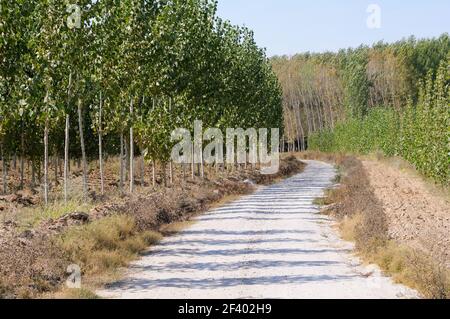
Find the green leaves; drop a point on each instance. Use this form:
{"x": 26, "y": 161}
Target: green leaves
{"x": 175, "y": 60}
{"x": 420, "y": 134}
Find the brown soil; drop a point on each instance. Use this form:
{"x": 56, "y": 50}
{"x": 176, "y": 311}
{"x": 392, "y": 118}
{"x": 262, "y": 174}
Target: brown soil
{"x": 417, "y": 213}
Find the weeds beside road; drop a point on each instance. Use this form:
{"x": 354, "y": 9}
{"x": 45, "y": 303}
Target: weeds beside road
{"x": 362, "y": 219}
{"x": 33, "y": 262}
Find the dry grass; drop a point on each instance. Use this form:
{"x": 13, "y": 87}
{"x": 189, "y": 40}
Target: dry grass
{"x": 30, "y": 267}
{"x": 348, "y": 226}
{"x": 175, "y": 228}
{"x": 102, "y": 248}
{"x": 66, "y": 293}
{"x": 363, "y": 221}
{"x": 30, "y": 217}
{"x": 414, "y": 269}
{"x": 106, "y": 244}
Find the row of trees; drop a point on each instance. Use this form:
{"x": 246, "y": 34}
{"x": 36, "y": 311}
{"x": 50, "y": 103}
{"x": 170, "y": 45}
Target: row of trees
{"x": 388, "y": 97}
{"x": 105, "y": 75}
{"x": 321, "y": 90}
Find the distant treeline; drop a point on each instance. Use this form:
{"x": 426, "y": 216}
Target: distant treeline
{"x": 392, "y": 98}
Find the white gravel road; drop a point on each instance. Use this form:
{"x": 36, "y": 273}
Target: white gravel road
{"x": 271, "y": 244}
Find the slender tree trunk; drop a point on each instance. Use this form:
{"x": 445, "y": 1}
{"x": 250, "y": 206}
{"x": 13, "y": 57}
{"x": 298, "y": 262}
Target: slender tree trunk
{"x": 291, "y": 131}
{"x": 46, "y": 162}
{"x": 4, "y": 170}
{"x": 66, "y": 158}
{"x": 295, "y": 120}
{"x": 302, "y": 140}
{"x": 171, "y": 172}
{"x": 131, "y": 150}
{"x": 330, "y": 103}
{"x": 164, "y": 168}
{"x": 308, "y": 124}
{"x": 60, "y": 167}
{"x": 100, "y": 146}
{"x": 202, "y": 166}
{"x": 320, "y": 112}
{"x": 83, "y": 148}
{"x": 142, "y": 170}
{"x": 127, "y": 158}
{"x": 33, "y": 173}
{"x": 310, "y": 108}
{"x": 193, "y": 162}
{"x": 153, "y": 173}
{"x": 22, "y": 158}
{"x": 121, "y": 182}
{"x": 55, "y": 162}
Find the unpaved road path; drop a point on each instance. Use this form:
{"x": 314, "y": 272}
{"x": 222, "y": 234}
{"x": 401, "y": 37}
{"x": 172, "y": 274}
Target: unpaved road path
{"x": 271, "y": 244}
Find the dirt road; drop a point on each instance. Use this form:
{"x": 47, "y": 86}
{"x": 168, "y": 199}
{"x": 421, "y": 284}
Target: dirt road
{"x": 271, "y": 244}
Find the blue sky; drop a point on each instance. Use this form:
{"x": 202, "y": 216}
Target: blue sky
{"x": 295, "y": 26}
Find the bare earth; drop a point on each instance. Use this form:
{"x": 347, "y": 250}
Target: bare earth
{"x": 271, "y": 244}
{"x": 417, "y": 214}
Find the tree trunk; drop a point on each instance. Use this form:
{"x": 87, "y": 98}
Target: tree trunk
{"x": 202, "y": 166}
{"x": 33, "y": 173}
{"x": 127, "y": 157}
{"x": 66, "y": 158}
{"x": 131, "y": 150}
{"x": 22, "y": 159}
{"x": 100, "y": 147}
{"x": 46, "y": 162}
{"x": 308, "y": 123}
{"x": 142, "y": 171}
{"x": 290, "y": 130}
{"x": 4, "y": 170}
{"x": 171, "y": 172}
{"x": 164, "y": 167}
{"x": 121, "y": 182}
{"x": 302, "y": 130}
{"x": 193, "y": 162}
{"x": 55, "y": 162}
{"x": 83, "y": 149}
{"x": 154, "y": 173}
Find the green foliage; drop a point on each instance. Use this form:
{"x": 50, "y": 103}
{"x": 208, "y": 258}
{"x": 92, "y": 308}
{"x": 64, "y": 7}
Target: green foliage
{"x": 419, "y": 133}
{"x": 357, "y": 83}
{"x": 176, "y": 61}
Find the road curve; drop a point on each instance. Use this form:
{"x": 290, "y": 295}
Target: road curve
{"x": 271, "y": 244}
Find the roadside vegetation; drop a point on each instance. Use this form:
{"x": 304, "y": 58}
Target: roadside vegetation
{"x": 102, "y": 79}
{"x": 107, "y": 237}
{"x": 362, "y": 220}
{"x": 389, "y": 98}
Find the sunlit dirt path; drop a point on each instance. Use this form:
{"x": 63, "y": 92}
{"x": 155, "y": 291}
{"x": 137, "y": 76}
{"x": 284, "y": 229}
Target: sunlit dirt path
{"x": 271, "y": 244}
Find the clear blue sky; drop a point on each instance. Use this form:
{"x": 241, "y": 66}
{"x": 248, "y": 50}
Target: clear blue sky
{"x": 295, "y": 26}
